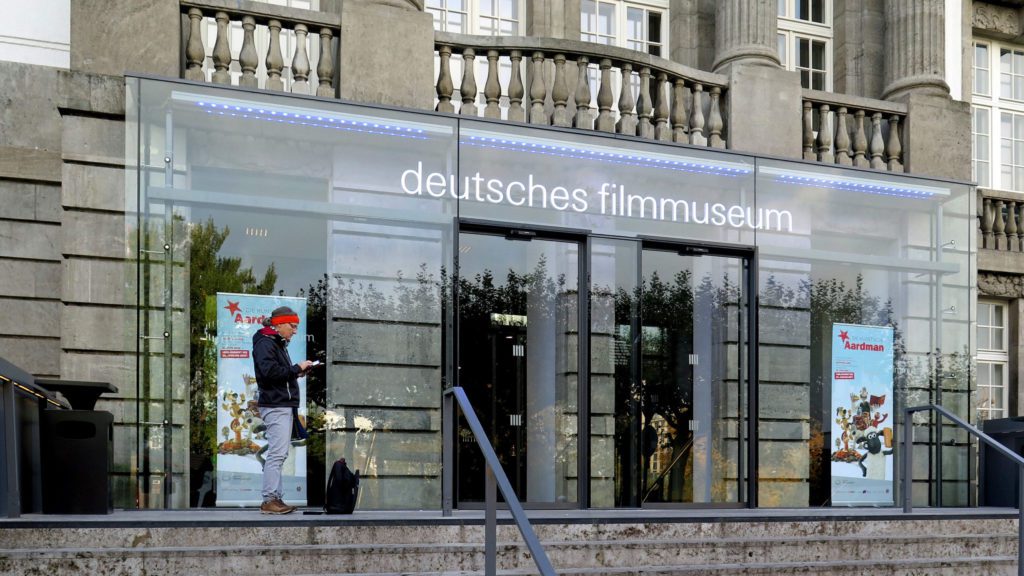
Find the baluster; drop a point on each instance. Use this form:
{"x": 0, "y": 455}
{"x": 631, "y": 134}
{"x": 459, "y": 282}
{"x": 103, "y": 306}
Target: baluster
{"x": 842, "y": 138}
{"x": 605, "y": 120}
{"x": 492, "y": 88}
{"x": 627, "y": 118}
{"x": 445, "y": 85}
{"x": 222, "y": 50}
{"x": 893, "y": 148}
{"x": 679, "y": 110}
{"x": 538, "y": 91}
{"x": 468, "y": 86}
{"x": 560, "y": 94}
{"x": 644, "y": 108}
{"x": 275, "y": 62}
{"x": 715, "y": 121}
{"x": 860, "y": 142}
{"x": 325, "y": 65}
{"x": 195, "y": 52}
{"x": 877, "y": 145}
{"x": 825, "y": 135}
{"x": 300, "y": 62}
{"x": 583, "y": 118}
{"x": 1018, "y": 211}
{"x": 987, "y": 223}
{"x": 248, "y": 58}
{"x": 697, "y": 117}
{"x": 999, "y": 225}
{"x": 662, "y": 130}
{"x": 1011, "y": 226}
{"x": 516, "y": 90}
{"x": 809, "y": 153}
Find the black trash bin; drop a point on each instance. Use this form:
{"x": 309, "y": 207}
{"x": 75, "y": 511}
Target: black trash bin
{"x": 999, "y": 473}
{"x": 77, "y": 451}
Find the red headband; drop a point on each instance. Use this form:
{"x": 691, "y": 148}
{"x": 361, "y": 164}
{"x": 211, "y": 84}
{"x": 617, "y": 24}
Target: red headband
{"x": 287, "y": 319}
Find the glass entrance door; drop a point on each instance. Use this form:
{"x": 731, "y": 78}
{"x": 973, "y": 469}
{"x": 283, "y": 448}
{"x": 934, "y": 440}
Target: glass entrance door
{"x": 518, "y": 357}
{"x": 691, "y": 373}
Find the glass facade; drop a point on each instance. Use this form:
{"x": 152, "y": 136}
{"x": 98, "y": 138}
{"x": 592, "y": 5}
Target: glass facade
{"x": 653, "y": 318}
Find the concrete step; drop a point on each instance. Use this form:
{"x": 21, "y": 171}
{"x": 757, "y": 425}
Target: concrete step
{"x": 976, "y": 546}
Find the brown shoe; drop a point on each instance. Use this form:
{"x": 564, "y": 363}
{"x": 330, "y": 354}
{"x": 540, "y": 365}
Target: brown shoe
{"x": 276, "y": 507}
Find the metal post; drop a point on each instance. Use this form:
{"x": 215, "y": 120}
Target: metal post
{"x": 1020, "y": 521}
{"x": 448, "y": 420}
{"x": 490, "y": 523}
{"x": 10, "y": 502}
{"x": 908, "y": 462}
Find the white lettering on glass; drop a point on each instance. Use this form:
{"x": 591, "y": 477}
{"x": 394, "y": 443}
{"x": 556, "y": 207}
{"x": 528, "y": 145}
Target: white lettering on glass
{"x": 611, "y": 199}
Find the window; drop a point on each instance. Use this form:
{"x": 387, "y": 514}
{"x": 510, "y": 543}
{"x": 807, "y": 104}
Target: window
{"x": 998, "y": 116}
{"x": 980, "y": 146}
{"x": 638, "y": 26}
{"x": 483, "y": 17}
{"x": 805, "y": 40}
{"x": 993, "y": 359}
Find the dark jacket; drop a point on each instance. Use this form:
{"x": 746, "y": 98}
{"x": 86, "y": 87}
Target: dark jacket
{"x": 276, "y": 375}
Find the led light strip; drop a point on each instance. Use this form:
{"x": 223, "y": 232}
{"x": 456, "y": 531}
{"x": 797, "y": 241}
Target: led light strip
{"x": 853, "y": 184}
{"x": 309, "y": 117}
{"x": 32, "y": 392}
{"x": 552, "y": 147}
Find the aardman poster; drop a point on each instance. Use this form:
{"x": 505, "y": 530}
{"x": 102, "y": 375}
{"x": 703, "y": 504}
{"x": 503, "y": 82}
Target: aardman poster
{"x": 240, "y": 432}
{"x": 862, "y": 415}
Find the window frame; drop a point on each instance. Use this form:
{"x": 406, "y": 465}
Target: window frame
{"x": 996, "y": 105}
{"x": 620, "y": 34}
{"x": 474, "y": 15}
{"x": 994, "y": 356}
{"x": 792, "y": 29}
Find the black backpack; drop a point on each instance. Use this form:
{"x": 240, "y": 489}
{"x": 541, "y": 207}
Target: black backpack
{"x": 342, "y": 489}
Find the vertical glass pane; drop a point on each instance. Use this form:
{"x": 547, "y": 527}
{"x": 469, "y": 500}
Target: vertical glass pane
{"x": 981, "y": 81}
{"x": 518, "y": 362}
{"x": 606, "y": 18}
{"x": 981, "y": 55}
{"x": 782, "y": 49}
{"x": 635, "y": 23}
{"x": 690, "y": 343}
{"x": 654, "y": 26}
{"x": 457, "y": 5}
{"x": 456, "y": 23}
{"x": 1018, "y": 63}
{"x": 983, "y": 145}
{"x": 615, "y": 441}
{"x": 818, "y": 55}
{"x": 997, "y": 386}
{"x": 803, "y": 10}
{"x": 487, "y": 7}
{"x": 818, "y": 80}
{"x": 804, "y": 58}
{"x": 588, "y": 19}
{"x": 508, "y": 28}
{"x": 984, "y": 314}
{"x": 782, "y": 7}
{"x": 997, "y": 339}
{"x": 805, "y": 78}
{"x": 984, "y": 339}
{"x": 997, "y": 314}
{"x": 818, "y": 11}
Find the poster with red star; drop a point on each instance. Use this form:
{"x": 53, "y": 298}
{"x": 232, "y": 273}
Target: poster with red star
{"x": 240, "y": 431}
{"x": 862, "y": 415}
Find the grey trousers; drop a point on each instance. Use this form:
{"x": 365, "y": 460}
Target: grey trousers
{"x": 279, "y": 432}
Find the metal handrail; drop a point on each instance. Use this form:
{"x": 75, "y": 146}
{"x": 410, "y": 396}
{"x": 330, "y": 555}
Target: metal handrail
{"x": 908, "y": 462}
{"x": 494, "y": 474}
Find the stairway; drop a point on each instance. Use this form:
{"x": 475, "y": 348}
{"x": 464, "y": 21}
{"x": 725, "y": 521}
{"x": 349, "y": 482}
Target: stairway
{"x": 249, "y": 545}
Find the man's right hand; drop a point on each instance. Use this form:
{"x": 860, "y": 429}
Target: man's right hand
{"x": 304, "y": 365}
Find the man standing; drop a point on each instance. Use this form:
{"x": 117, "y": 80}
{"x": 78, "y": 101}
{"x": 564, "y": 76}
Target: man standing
{"x": 277, "y": 379}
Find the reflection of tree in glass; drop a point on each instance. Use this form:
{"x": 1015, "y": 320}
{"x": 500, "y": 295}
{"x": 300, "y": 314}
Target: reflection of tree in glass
{"x": 210, "y": 273}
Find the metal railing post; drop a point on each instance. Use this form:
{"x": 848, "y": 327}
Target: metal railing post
{"x": 447, "y": 453}
{"x": 908, "y": 462}
{"x": 1020, "y": 520}
{"x": 491, "y": 523}
{"x": 497, "y": 476}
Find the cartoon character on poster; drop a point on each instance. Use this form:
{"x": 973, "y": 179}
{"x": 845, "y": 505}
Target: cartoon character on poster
{"x": 862, "y": 376}
{"x": 242, "y": 442}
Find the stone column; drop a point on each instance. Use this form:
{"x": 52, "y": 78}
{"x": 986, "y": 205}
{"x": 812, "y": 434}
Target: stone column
{"x": 914, "y": 48}
{"x": 745, "y": 31}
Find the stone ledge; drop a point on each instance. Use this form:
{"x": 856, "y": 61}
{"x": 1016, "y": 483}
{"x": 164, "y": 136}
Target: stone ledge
{"x": 30, "y": 164}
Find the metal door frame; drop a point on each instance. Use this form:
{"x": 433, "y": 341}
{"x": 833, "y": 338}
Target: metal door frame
{"x": 528, "y": 232}
{"x": 747, "y": 475}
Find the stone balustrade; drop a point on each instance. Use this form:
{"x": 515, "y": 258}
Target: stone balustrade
{"x": 1001, "y": 220}
{"x": 269, "y": 35}
{"x": 581, "y": 85}
{"x": 853, "y": 131}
